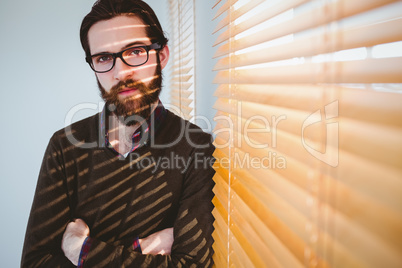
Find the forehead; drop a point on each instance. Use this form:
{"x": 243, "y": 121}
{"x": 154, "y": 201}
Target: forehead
{"x": 114, "y": 34}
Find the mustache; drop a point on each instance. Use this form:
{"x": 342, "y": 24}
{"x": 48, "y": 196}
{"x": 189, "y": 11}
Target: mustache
{"x": 129, "y": 83}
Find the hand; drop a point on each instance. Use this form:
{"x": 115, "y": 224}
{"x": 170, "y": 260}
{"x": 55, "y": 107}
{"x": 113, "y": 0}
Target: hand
{"x": 73, "y": 238}
{"x": 158, "y": 243}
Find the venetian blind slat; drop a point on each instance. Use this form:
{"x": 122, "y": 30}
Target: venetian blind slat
{"x": 182, "y": 79}
{"x": 310, "y": 19}
{"x": 387, "y": 70}
{"x": 309, "y": 46}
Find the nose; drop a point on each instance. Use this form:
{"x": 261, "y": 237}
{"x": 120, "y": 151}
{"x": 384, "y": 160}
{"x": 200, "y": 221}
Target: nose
{"x": 121, "y": 71}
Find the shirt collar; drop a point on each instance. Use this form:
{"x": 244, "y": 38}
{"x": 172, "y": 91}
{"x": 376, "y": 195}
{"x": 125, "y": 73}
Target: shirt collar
{"x": 143, "y": 132}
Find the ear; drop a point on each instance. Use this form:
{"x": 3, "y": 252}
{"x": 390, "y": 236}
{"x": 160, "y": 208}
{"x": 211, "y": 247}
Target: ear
{"x": 164, "y": 56}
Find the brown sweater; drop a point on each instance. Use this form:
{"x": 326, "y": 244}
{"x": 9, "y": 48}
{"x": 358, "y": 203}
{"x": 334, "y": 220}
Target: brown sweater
{"x": 166, "y": 182}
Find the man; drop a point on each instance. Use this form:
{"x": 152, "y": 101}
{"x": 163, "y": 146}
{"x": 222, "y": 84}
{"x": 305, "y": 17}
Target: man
{"x": 132, "y": 185}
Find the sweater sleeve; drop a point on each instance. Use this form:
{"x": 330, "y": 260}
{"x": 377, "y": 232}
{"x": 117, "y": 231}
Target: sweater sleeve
{"x": 193, "y": 227}
{"x": 50, "y": 213}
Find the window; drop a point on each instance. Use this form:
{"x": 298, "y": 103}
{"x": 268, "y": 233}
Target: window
{"x": 182, "y": 76}
{"x": 308, "y": 135}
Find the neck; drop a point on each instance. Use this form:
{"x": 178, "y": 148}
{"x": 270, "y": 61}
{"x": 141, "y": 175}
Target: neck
{"x": 120, "y": 135}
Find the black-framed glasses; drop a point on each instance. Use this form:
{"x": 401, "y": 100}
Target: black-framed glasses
{"x": 132, "y": 56}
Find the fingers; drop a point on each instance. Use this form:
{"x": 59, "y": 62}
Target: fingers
{"x": 78, "y": 227}
{"x": 165, "y": 232}
{"x": 158, "y": 243}
{"x": 79, "y": 222}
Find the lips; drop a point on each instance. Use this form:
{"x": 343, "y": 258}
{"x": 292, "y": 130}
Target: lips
{"x": 126, "y": 91}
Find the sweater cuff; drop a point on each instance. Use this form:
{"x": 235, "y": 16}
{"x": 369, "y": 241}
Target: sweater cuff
{"x": 136, "y": 245}
{"x": 84, "y": 251}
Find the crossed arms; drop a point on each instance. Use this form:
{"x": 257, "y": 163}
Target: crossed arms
{"x": 77, "y": 231}
{"x": 174, "y": 224}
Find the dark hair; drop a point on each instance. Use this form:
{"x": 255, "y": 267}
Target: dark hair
{"x": 108, "y": 9}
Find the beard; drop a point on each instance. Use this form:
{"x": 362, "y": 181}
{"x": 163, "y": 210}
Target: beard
{"x": 133, "y": 109}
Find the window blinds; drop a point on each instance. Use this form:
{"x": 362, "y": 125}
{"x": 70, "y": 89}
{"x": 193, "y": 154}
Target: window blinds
{"x": 308, "y": 134}
{"x": 182, "y": 78}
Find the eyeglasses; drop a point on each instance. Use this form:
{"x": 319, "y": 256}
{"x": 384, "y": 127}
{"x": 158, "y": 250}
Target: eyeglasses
{"x": 132, "y": 56}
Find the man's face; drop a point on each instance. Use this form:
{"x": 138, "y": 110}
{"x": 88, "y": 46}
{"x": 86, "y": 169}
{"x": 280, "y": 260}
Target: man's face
{"x": 130, "y": 89}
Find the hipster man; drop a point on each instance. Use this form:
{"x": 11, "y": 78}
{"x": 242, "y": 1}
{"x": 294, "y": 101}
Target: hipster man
{"x": 132, "y": 185}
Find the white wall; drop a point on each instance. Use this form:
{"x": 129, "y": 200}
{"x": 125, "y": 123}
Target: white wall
{"x": 204, "y": 63}
{"x": 43, "y": 77}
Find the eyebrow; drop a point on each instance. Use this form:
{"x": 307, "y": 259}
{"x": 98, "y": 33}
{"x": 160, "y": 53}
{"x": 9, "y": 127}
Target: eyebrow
{"x": 137, "y": 43}
{"x": 132, "y": 44}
